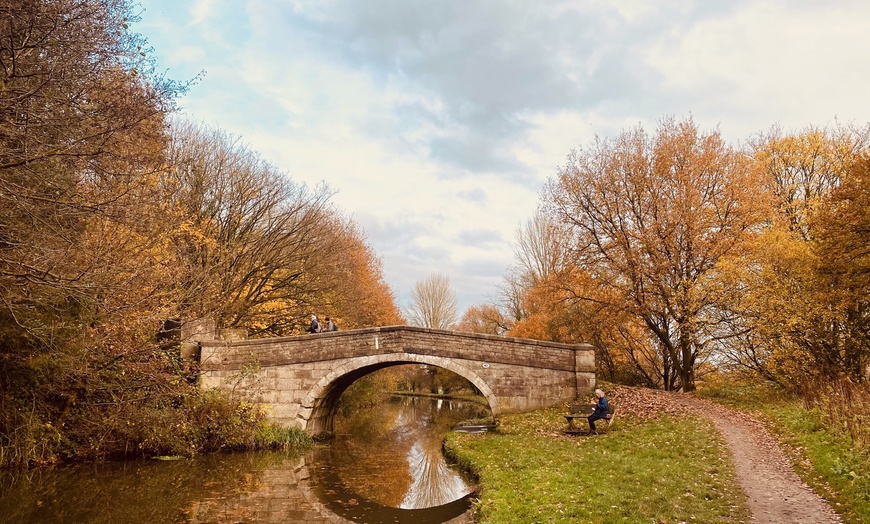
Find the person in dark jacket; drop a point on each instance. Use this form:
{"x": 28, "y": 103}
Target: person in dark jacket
{"x": 601, "y": 410}
{"x": 315, "y": 325}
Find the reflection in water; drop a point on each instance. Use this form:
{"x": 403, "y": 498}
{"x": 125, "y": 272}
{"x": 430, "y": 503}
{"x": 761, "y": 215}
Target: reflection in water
{"x": 433, "y": 483}
{"x": 335, "y": 496}
{"x": 201, "y": 489}
{"x": 394, "y": 463}
{"x": 392, "y": 453}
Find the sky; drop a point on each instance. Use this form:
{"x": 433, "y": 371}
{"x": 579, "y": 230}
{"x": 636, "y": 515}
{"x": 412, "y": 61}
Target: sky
{"x": 438, "y": 123}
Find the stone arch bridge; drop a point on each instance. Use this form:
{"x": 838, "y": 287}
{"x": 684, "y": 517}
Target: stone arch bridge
{"x": 301, "y": 378}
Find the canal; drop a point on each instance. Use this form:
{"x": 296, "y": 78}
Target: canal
{"x": 384, "y": 466}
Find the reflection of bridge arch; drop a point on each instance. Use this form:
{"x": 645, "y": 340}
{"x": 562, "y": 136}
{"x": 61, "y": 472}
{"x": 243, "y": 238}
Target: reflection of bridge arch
{"x": 292, "y": 489}
{"x": 301, "y": 378}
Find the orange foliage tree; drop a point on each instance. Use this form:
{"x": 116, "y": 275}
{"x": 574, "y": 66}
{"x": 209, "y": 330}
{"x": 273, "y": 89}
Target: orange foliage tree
{"x": 356, "y": 294}
{"x": 483, "y": 318}
{"x": 82, "y": 132}
{"x": 550, "y": 298}
{"x": 844, "y": 252}
{"x": 649, "y": 218}
{"x": 256, "y": 250}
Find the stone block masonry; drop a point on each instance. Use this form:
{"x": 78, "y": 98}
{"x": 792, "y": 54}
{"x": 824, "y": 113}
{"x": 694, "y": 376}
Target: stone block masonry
{"x": 299, "y": 379}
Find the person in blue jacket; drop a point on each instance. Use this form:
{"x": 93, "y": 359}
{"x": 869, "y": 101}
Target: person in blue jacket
{"x": 601, "y": 410}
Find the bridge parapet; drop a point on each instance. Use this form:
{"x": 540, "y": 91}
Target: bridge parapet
{"x": 300, "y": 378}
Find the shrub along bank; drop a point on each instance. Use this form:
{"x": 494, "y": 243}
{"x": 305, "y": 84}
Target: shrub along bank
{"x": 182, "y": 425}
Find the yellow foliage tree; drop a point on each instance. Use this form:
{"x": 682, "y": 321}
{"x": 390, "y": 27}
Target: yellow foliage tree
{"x": 793, "y": 305}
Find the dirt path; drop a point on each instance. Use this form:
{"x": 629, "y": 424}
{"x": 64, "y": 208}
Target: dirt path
{"x": 774, "y": 491}
{"x": 776, "y": 494}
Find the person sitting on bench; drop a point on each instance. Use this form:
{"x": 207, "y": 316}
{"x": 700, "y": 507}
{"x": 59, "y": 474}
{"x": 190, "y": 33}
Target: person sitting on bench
{"x": 601, "y": 410}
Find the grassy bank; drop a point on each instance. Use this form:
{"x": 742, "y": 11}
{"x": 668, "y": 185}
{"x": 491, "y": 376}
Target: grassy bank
{"x": 667, "y": 470}
{"x": 825, "y": 454}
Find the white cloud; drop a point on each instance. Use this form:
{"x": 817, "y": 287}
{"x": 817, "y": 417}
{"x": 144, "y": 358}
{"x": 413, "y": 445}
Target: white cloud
{"x": 186, "y": 55}
{"x": 770, "y": 63}
{"x": 200, "y": 10}
{"x": 438, "y": 123}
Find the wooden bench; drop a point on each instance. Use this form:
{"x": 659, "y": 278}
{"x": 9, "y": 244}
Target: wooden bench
{"x": 583, "y": 411}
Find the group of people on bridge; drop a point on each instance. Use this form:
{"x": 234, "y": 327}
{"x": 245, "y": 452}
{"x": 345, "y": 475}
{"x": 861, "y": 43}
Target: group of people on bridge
{"x": 316, "y": 327}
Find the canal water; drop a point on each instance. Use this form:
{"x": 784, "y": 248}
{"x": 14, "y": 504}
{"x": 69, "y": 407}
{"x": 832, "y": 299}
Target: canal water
{"x": 384, "y": 466}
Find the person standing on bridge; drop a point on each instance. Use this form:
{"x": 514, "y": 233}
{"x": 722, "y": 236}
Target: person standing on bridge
{"x": 315, "y": 325}
{"x": 330, "y": 325}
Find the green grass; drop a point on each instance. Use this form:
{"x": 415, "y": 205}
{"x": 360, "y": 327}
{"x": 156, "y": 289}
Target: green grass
{"x": 825, "y": 459}
{"x": 273, "y": 436}
{"x": 669, "y": 470}
{"x": 824, "y": 456}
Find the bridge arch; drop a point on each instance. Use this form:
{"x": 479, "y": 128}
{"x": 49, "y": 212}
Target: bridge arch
{"x": 323, "y": 396}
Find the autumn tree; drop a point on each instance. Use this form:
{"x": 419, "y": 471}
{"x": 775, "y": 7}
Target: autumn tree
{"x": 357, "y": 295}
{"x": 537, "y": 255}
{"x": 790, "y": 310}
{"x": 81, "y": 128}
{"x": 550, "y": 312}
{"x": 433, "y": 303}
{"x": 571, "y": 307}
{"x": 484, "y": 318}
{"x": 251, "y": 241}
{"x": 551, "y": 299}
{"x": 766, "y": 297}
{"x": 800, "y": 169}
{"x": 257, "y": 250}
{"x": 650, "y": 217}
{"x": 843, "y": 248}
